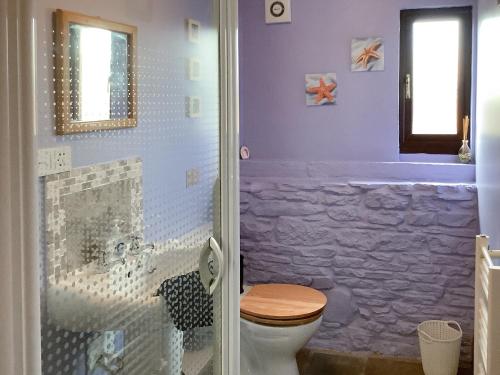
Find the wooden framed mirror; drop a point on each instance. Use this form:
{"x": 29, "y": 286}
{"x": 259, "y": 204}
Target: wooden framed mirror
{"x": 95, "y": 75}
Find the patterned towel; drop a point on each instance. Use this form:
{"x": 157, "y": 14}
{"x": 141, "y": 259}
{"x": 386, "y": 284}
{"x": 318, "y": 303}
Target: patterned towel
{"x": 189, "y": 305}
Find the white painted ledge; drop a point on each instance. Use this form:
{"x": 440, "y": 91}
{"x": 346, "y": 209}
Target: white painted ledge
{"x": 347, "y": 171}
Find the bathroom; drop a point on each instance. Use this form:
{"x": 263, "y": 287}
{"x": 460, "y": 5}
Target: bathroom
{"x": 148, "y": 144}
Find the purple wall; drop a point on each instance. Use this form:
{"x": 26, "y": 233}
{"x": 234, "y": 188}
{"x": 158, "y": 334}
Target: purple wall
{"x": 488, "y": 119}
{"x": 389, "y": 254}
{"x": 168, "y": 142}
{"x": 275, "y": 122}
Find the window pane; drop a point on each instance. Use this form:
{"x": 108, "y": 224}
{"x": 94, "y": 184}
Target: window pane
{"x": 435, "y": 75}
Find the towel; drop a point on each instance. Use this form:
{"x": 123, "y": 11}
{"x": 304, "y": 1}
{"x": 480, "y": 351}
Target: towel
{"x": 189, "y": 305}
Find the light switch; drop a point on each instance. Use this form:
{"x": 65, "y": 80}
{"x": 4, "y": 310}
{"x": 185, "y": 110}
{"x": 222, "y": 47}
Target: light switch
{"x": 193, "y": 106}
{"x": 194, "y": 69}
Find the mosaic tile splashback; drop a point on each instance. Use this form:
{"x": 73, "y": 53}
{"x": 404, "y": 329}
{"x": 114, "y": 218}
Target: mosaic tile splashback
{"x": 83, "y": 205}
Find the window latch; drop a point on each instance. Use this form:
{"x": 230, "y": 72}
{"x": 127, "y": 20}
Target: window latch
{"x": 408, "y": 86}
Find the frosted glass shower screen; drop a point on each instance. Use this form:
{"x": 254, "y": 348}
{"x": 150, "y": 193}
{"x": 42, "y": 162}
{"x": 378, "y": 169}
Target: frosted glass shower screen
{"x": 121, "y": 233}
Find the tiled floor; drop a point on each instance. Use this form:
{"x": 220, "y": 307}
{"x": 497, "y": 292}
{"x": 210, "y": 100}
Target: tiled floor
{"x": 323, "y": 362}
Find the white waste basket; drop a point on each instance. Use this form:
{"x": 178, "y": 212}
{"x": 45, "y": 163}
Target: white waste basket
{"x": 440, "y": 346}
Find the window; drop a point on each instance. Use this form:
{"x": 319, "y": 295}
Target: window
{"x": 435, "y": 75}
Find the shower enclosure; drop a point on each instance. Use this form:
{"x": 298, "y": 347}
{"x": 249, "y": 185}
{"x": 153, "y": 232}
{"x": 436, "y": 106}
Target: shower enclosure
{"x": 122, "y": 212}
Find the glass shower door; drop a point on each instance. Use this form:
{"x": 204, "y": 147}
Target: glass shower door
{"x": 130, "y": 205}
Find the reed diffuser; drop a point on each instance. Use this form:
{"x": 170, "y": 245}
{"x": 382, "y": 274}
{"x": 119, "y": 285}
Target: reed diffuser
{"x": 464, "y": 154}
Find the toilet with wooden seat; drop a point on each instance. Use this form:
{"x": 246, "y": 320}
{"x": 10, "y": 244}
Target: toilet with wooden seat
{"x": 277, "y": 320}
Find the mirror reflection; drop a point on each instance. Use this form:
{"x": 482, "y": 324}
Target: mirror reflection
{"x": 99, "y": 74}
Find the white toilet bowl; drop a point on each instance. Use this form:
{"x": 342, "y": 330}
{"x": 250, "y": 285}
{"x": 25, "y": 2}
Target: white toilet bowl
{"x": 276, "y": 321}
{"x": 267, "y": 350}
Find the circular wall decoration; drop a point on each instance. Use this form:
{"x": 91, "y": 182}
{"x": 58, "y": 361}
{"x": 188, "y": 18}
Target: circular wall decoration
{"x": 278, "y": 11}
{"x": 277, "y": 8}
{"x": 244, "y": 153}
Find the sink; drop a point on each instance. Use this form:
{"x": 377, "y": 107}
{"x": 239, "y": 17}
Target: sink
{"x": 86, "y": 301}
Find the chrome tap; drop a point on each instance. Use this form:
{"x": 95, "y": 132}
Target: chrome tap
{"x": 116, "y": 247}
{"x": 148, "y": 246}
{"x": 135, "y": 245}
{"x": 143, "y": 252}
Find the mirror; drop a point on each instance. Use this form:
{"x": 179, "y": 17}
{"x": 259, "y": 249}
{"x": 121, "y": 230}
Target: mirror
{"x": 95, "y": 74}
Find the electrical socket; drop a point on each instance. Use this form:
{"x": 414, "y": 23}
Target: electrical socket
{"x": 54, "y": 160}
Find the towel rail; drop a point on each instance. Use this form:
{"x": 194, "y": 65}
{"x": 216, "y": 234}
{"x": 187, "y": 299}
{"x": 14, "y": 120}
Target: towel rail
{"x": 487, "y": 310}
{"x": 486, "y": 255}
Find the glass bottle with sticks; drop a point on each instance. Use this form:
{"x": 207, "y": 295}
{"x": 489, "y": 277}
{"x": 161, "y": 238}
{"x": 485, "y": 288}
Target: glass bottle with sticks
{"x": 465, "y": 154}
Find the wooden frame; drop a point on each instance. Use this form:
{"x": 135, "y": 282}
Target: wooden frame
{"x": 433, "y": 143}
{"x": 64, "y": 124}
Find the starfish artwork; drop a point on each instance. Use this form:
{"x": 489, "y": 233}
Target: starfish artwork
{"x": 321, "y": 89}
{"x": 367, "y": 55}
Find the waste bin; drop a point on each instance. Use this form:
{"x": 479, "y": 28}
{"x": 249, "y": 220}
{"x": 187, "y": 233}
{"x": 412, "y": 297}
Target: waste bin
{"x": 440, "y": 346}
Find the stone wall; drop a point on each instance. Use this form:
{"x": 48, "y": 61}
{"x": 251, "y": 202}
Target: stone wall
{"x": 387, "y": 255}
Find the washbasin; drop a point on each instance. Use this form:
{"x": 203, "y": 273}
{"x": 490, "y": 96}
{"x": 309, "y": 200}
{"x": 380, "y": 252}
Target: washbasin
{"x": 86, "y": 301}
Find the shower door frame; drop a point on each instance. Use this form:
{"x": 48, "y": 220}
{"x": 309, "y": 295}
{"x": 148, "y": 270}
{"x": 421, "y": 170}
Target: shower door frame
{"x": 230, "y": 185}
{"x": 20, "y": 336}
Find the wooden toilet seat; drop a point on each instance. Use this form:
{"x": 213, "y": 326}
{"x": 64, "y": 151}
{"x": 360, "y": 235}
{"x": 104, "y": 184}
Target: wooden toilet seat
{"x": 282, "y": 305}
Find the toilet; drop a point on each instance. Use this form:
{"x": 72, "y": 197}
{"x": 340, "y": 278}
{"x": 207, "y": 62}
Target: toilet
{"x": 277, "y": 320}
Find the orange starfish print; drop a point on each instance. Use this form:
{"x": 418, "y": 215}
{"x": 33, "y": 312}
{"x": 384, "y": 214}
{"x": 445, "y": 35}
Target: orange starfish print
{"x": 368, "y": 54}
{"x": 322, "y": 91}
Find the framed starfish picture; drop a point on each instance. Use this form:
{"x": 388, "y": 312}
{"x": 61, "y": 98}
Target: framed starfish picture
{"x": 321, "y": 89}
{"x": 367, "y": 55}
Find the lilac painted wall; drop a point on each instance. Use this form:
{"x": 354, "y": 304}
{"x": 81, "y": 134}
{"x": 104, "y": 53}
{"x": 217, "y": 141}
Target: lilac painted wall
{"x": 488, "y": 118}
{"x": 388, "y": 254}
{"x": 167, "y": 140}
{"x": 275, "y": 122}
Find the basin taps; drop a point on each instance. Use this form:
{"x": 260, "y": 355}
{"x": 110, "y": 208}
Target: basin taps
{"x": 118, "y": 253}
{"x": 136, "y": 247}
{"x": 149, "y": 246}
{"x": 143, "y": 252}
{"x": 116, "y": 247}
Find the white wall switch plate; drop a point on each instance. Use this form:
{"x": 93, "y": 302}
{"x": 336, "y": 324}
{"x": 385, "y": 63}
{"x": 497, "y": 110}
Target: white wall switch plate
{"x": 194, "y": 69}
{"x": 278, "y": 11}
{"x": 192, "y": 177}
{"x": 194, "y": 30}
{"x": 54, "y": 160}
{"x": 193, "y": 104}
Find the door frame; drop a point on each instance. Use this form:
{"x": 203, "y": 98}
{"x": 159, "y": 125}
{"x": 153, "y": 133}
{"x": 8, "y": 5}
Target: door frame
{"x": 19, "y": 266}
{"x": 230, "y": 186}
